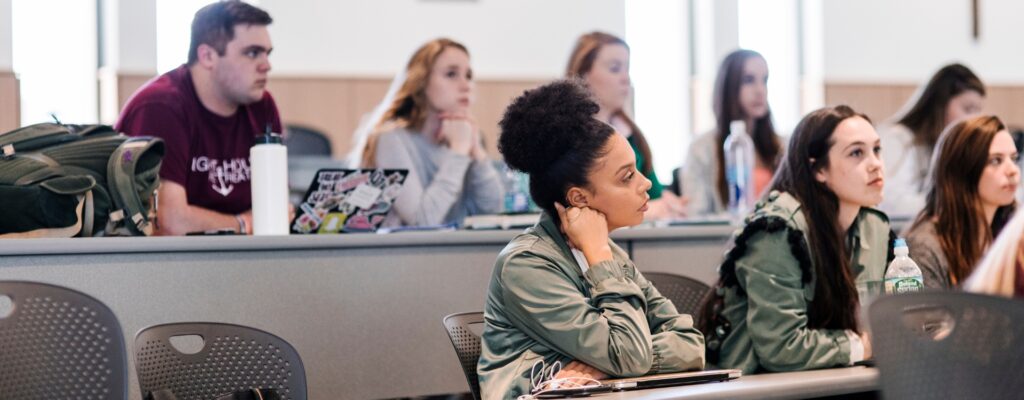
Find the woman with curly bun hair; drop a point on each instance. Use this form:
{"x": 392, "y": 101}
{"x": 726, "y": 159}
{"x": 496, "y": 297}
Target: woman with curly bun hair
{"x": 562, "y": 292}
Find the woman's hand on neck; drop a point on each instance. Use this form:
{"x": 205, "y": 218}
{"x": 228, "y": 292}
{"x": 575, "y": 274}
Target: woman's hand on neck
{"x": 847, "y": 214}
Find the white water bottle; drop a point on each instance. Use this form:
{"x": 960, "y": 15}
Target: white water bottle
{"x": 739, "y": 170}
{"x": 268, "y": 160}
{"x": 903, "y": 275}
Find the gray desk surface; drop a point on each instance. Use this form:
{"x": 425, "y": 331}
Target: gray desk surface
{"x": 786, "y": 385}
{"x": 364, "y": 311}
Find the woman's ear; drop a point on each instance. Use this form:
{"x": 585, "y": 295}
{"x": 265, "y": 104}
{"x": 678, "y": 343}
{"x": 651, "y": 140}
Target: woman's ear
{"x": 578, "y": 197}
{"x": 820, "y": 174}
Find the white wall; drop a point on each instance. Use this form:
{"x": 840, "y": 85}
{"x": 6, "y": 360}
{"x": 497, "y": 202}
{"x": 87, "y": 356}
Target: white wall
{"x": 506, "y": 38}
{"x": 6, "y": 63}
{"x": 907, "y": 40}
{"x": 137, "y": 36}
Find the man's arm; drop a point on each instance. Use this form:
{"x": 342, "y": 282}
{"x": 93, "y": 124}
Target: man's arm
{"x": 175, "y": 217}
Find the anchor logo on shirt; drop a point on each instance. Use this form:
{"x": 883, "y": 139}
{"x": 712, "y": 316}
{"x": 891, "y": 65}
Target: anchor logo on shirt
{"x": 223, "y": 175}
{"x": 220, "y": 186}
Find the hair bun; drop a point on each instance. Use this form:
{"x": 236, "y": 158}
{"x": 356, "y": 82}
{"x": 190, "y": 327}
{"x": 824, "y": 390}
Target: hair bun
{"x": 547, "y": 122}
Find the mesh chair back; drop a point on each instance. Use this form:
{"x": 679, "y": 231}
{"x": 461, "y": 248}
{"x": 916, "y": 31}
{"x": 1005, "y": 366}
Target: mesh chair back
{"x": 946, "y": 345}
{"x": 686, "y": 293}
{"x": 233, "y": 358}
{"x": 306, "y": 141}
{"x": 467, "y": 344}
{"x": 58, "y": 343}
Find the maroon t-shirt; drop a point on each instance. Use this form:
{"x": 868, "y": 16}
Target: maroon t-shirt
{"x": 207, "y": 154}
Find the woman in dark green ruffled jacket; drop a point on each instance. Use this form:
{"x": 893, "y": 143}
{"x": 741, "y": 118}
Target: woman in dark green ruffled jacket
{"x": 788, "y": 293}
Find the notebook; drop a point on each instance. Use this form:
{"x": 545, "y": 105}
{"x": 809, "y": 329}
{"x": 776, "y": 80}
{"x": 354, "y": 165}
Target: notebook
{"x": 674, "y": 379}
{"x": 348, "y": 200}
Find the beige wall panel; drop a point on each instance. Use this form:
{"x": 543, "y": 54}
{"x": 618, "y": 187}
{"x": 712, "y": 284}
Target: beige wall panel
{"x": 10, "y": 103}
{"x": 881, "y": 102}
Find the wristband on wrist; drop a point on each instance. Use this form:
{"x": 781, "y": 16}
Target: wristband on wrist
{"x": 241, "y": 225}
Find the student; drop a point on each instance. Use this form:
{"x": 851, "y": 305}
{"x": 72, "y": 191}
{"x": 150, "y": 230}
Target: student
{"x": 787, "y": 296}
{"x": 1001, "y": 272}
{"x": 953, "y": 93}
{"x": 429, "y": 131}
{"x": 741, "y": 94}
{"x": 563, "y": 292}
{"x": 973, "y": 179}
{"x": 601, "y": 60}
{"x": 208, "y": 112}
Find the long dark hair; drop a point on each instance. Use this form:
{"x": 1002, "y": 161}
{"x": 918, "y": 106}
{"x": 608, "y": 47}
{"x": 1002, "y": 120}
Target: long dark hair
{"x": 835, "y": 294}
{"x": 927, "y": 117}
{"x": 581, "y": 61}
{"x": 953, "y": 200}
{"x": 727, "y": 109}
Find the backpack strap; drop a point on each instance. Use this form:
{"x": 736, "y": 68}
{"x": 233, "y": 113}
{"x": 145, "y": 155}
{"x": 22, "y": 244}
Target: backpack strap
{"x": 35, "y": 137}
{"x": 132, "y": 176}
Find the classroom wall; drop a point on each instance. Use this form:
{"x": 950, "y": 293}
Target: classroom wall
{"x": 878, "y": 52}
{"x": 5, "y": 35}
{"x": 10, "y": 111}
{"x": 507, "y": 39}
{"x": 906, "y": 40}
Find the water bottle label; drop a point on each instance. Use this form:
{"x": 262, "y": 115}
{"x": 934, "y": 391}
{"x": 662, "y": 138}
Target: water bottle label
{"x": 904, "y": 284}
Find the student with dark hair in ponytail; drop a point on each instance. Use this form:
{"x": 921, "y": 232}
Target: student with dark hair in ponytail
{"x": 788, "y": 292}
{"x": 562, "y": 292}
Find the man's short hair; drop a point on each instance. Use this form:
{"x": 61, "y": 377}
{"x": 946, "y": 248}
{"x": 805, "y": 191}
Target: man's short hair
{"x": 214, "y": 25}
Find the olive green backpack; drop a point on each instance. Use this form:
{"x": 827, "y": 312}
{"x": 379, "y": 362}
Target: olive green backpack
{"x": 61, "y": 180}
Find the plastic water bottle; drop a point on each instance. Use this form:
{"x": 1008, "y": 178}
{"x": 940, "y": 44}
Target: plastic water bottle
{"x": 517, "y": 195}
{"x": 269, "y": 179}
{"x": 739, "y": 170}
{"x": 903, "y": 275}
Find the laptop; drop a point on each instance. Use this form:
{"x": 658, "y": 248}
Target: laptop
{"x": 643, "y": 382}
{"x": 673, "y": 379}
{"x": 347, "y": 200}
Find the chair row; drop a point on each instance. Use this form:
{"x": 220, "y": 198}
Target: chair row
{"x": 930, "y": 345}
{"x": 60, "y": 343}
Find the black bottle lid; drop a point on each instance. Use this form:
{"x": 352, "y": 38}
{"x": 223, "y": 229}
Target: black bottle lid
{"x": 268, "y": 137}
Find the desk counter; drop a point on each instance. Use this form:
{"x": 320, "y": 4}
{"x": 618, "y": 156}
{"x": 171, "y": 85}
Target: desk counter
{"x": 364, "y": 311}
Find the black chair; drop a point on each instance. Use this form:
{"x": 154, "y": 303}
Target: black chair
{"x": 233, "y": 358}
{"x": 686, "y": 293}
{"x": 305, "y": 141}
{"x": 467, "y": 345}
{"x": 56, "y": 342}
{"x": 948, "y": 345}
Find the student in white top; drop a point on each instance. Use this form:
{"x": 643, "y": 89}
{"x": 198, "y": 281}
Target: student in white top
{"x": 952, "y": 94}
{"x": 741, "y": 93}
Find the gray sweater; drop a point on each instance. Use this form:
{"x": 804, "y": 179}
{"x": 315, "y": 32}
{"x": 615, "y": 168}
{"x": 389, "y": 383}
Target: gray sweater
{"x": 442, "y": 187}
{"x": 926, "y": 251}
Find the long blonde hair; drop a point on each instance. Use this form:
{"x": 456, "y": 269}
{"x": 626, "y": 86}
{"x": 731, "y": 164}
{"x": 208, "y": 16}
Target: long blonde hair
{"x": 997, "y": 272}
{"x": 409, "y": 110}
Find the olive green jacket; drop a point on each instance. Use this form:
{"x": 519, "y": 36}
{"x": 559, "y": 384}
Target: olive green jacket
{"x": 768, "y": 282}
{"x": 541, "y": 306}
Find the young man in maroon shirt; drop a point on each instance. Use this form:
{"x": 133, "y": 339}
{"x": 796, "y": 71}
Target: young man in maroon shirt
{"x": 208, "y": 111}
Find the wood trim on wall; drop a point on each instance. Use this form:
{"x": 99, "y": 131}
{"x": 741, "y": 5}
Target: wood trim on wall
{"x": 10, "y": 101}
{"x": 334, "y": 105}
{"x": 881, "y": 102}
